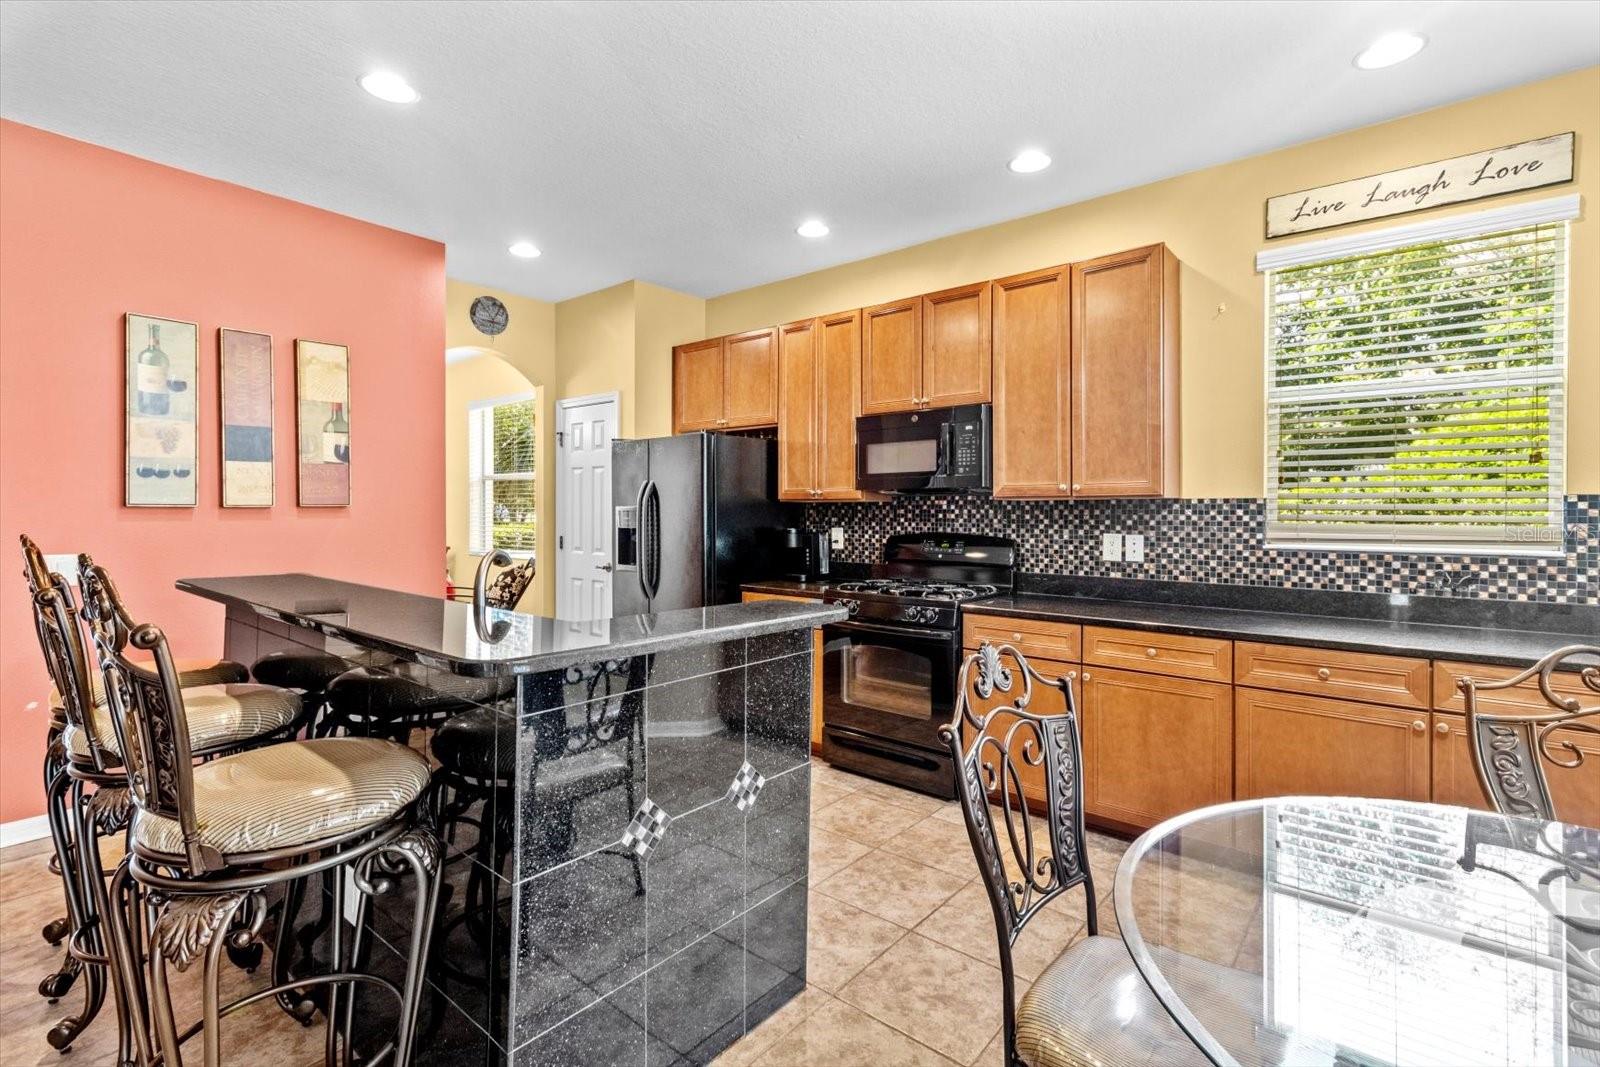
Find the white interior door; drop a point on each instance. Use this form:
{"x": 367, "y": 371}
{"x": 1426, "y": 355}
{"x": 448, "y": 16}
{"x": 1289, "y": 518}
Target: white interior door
{"x": 585, "y": 427}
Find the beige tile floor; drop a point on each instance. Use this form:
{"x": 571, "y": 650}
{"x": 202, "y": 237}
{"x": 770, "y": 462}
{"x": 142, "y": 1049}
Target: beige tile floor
{"x": 902, "y": 961}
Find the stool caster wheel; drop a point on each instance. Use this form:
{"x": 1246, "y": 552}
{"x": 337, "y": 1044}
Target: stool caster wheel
{"x": 246, "y": 959}
{"x": 56, "y": 930}
{"x": 54, "y": 987}
{"x": 62, "y": 1034}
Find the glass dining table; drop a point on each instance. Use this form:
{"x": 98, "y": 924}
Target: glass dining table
{"x": 1314, "y": 931}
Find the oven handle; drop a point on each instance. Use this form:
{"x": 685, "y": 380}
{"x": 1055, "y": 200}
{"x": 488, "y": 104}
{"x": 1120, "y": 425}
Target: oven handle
{"x": 944, "y": 637}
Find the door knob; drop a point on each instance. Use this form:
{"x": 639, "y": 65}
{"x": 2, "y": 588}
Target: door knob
{"x": 603, "y": 567}
{"x": 1418, "y": 725}
{"x": 1324, "y": 673}
{"x": 1443, "y": 728}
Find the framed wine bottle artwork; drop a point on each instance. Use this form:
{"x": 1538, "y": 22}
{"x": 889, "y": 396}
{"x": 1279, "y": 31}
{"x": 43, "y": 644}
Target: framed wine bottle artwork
{"x": 244, "y": 385}
{"x": 160, "y": 453}
{"x": 322, "y": 395}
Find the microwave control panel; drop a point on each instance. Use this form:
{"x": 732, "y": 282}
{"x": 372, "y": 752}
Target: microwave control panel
{"x": 968, "y": 448}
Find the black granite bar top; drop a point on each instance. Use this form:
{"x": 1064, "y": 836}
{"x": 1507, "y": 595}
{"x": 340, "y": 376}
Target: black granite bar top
{"x": 1486, "y": 639}
{"x": 443, "y": 634}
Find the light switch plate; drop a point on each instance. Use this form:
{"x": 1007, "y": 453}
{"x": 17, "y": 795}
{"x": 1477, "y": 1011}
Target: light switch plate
{"x": 836, "y": 538}
{"x": 1111, "y": 547}
{"x": 1133, "y": 548}
{"x": 64, "y": 564}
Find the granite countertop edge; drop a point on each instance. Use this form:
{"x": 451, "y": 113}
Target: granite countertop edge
{"x": 1480, "y": 644}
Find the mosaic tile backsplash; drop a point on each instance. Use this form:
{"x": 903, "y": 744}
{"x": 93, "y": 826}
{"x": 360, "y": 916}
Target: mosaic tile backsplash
{"x": 1223, "y": 541}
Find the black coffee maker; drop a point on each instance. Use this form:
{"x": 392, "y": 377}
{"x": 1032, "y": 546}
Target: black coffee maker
{"x": 803, "y": 555}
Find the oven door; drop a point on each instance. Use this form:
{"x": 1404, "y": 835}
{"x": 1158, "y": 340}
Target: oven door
{"x": 886, "y": 691}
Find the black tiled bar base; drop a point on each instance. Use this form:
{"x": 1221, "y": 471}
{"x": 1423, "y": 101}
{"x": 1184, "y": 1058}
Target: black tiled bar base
{"x": 626, "y": 849}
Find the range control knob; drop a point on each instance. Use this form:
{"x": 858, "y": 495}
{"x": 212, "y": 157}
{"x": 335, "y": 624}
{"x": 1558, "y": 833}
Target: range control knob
{"x": 852, "y": 606}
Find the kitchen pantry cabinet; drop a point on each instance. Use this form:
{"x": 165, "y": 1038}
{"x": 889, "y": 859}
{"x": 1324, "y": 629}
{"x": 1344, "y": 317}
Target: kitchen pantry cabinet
{"x": 930, "y": 351}
{"x": 816, "y": 664}
{"x": 819, "y": 395}
{"x": 726, "y": 383}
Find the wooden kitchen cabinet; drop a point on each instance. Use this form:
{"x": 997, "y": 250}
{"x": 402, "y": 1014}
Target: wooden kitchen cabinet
{"x": 1574, "y": 790}
{"x": 1154, "y": 746}
{"x": 1200, "y": 658}
{"x": 956, "y": 346}
{"x": 1033, "y": 385}
{"x": 1124, "y": 401}
{"x": 891, "y": 357}
{"x": 1399, "y": 680}
{"x": 1057, "y": 641}
{"x": 726, "y": 383}
{"x": 1288, "y": 744}
{"x": 816, "y": 663}
{"x": 819, "y": 391}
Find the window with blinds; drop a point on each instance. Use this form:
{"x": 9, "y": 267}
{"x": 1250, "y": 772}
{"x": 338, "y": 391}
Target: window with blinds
{"x": 1415, "y": 393}
{"x": 500, "y": 459}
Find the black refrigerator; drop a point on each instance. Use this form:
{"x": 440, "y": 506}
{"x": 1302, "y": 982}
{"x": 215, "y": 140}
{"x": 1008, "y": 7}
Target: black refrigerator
{"x": 695, "y": 516}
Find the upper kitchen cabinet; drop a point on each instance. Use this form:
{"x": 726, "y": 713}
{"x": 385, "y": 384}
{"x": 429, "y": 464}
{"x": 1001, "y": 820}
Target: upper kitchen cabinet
{"x": 955, "y": 346}
{"x": 891, "y": 357}
{"x": 819, "y": 396}
{"x": 726, "y": 383}
{"x": 1124, "y": 420}
{"x": 926, "y": 352}
{"x": 1033, "y": 385}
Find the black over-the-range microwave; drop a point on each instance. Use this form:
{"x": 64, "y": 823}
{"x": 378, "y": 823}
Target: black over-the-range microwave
{"x": 941, "y": 450}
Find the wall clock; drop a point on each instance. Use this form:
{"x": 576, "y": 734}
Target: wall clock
{"x": 489, "y": 316}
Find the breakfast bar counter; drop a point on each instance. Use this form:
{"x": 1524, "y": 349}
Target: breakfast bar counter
{"x": 625, "y": 805}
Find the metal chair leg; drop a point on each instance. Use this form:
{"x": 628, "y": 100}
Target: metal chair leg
{"x": 58, "y": 983}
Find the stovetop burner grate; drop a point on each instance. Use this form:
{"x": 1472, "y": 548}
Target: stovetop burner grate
{"x": 913, "y": 589}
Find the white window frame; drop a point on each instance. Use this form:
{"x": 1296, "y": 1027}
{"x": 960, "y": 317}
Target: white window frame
{"x": 479, "y": 481}
{"x": 1473, "y": 224}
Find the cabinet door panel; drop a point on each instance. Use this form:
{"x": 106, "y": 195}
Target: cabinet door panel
{"x": 1032, "y": 385}
{"x": 1454, "y": 780}
{"x": 1575, "y": 790}
{"x": 797, "y": 410}
{"x": 751, "y": 379}
{"x": 891, "y": 357}
{"x": 1124, "y": 374}
{"x": 1154, "y": 746}
{"x": 838, "y": 404}
{"x": 697, "y": 386}
{"x": 955, "y": 346}
{"x": 1289, "y": 744}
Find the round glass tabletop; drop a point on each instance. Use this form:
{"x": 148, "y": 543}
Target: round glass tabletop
{"x": 1335, "y": 931}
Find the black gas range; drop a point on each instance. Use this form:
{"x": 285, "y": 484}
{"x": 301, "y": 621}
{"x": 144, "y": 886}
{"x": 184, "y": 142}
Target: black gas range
{"x": 890, "y": 670}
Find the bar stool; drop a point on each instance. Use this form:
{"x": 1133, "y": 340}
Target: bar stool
{"x": 208, "y": 841}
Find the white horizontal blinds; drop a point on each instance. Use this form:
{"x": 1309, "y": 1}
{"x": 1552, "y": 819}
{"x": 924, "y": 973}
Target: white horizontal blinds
{"x": 501, "y": 454}
{"x": 1415, "y": 394}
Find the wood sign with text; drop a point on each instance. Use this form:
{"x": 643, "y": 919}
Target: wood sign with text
{"x": 1529, "y": 165}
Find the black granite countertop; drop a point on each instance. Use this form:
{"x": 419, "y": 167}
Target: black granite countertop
{"x": 1482, "y": 642}
{"x": 442, "y": 633}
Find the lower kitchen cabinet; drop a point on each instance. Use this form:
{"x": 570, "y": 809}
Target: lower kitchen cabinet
{"x": 1154, "y": 745}
{"x": 1575, "y": 790}
{"x": 816, "y": 664}
{"x": 1289, "y": 744}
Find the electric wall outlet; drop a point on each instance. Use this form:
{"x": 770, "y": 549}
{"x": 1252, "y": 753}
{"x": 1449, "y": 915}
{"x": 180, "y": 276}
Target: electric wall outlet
{"x": 64, "y": 564}
{"x": 836, "y": 538}
{"x": 1111, "y": 547}
{"x": 1133, "y": 548}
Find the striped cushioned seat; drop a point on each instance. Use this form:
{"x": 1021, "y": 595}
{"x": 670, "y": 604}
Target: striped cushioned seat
{"x": 1091, "y": 1007}
{"x": 296, "y": 793}
{"x": 191, "y": 672}
{"x": 219, "y": 715}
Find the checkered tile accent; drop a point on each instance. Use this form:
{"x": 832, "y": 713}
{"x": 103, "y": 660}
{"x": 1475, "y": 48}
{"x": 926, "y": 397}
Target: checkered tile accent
{"x": 746, "y": 787}
{"x": 1223, "y": 541}
{"x": 649, "y": 825}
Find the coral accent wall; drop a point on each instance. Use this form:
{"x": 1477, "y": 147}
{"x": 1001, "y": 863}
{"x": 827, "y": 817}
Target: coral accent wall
{"x": 87, "y": 234}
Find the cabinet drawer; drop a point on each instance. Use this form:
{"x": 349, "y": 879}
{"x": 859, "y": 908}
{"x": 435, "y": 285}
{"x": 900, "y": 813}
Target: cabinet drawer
{"x": 1032, "y": 637}
{"x": 1205, "y": 658}
{"x": 1525, "y": 697}
{"x": 1397, "y": 680}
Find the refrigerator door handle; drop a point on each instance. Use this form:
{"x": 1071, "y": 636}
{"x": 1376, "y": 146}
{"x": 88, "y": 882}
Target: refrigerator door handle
{"x": 650, "y": 539}
{"x": 643, "y": 537}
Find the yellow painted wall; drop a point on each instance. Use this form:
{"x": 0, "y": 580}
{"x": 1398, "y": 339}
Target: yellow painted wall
{"x": 662, "y": 318}
{"x": 594, "y": 346}
{"x": 467, "y": 381}
{"x": 1212, "y": 220}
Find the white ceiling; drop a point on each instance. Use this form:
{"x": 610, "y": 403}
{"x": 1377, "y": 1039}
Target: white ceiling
{"x": 681, "y": 143}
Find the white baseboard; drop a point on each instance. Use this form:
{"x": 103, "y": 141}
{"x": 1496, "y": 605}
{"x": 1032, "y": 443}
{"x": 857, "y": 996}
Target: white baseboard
{"x": 24, "y": 830}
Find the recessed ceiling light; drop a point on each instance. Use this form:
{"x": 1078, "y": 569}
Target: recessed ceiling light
{"x": 387, "y": 85}
{"x": 524, "y": 250}
{"x": 1390, "y": 49}
{"x": 812, "y": 228}
{"x": 1028, "y": 161}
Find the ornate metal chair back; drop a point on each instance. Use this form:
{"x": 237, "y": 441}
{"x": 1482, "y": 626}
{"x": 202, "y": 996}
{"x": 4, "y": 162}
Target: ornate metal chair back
{"x": 66, "y": 660}
{"x": 1510, "y": 749}
{"x": 149, "y": 706}
{"x": 506, "y": 590}
{"x": 994, "y": 737}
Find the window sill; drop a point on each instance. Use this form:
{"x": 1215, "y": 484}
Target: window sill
{"x": 1534, "y": 549}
